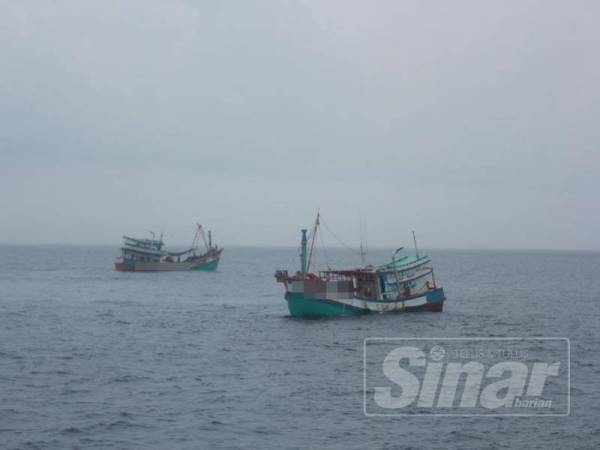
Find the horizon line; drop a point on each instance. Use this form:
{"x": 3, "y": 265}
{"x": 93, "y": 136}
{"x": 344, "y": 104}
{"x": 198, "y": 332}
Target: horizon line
{"x": 276, "y": 246}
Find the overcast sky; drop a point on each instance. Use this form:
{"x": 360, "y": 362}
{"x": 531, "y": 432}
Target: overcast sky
{"x": 475, "y": 123}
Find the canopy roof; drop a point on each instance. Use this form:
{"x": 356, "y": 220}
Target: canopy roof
{"x": 405, "y": 263}
{"x": 143, "y": 251}
{"x": 143, "y": 243}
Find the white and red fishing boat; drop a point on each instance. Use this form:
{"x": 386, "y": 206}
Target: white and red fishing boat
{"x": 148, "y": 255}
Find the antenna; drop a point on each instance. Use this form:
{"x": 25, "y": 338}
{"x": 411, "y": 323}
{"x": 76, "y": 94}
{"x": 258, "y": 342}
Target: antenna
{"x": 415, "y": 241}
{"x": 363, "y": 253}
{"x": 363, "y": 241}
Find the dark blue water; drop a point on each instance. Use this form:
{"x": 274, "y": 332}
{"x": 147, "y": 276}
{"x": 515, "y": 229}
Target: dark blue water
{"x": 93, "y": 358}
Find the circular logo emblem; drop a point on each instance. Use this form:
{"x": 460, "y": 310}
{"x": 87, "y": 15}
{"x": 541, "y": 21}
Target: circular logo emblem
{"x": 437, "y": 353}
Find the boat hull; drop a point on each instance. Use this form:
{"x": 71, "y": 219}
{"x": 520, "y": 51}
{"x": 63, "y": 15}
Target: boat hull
{"x": 210, "y": 264}
{"x": 301, "y": 305}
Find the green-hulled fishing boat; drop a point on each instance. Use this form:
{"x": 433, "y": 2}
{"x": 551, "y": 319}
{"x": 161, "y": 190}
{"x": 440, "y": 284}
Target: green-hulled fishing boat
{"x": 405, "y": 284}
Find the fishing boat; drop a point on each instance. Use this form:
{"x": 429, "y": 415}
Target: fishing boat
{"x": 148, "y": 255}
{"x": 407, "y": 283}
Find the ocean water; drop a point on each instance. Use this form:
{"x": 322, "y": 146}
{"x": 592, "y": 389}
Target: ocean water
{"x": 94, "y": 358}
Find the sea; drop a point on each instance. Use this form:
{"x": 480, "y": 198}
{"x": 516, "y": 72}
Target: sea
{"x": 91, "y": 358}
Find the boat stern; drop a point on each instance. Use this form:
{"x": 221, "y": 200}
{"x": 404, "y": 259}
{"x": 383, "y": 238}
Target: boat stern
{"x": 435, "y": 300}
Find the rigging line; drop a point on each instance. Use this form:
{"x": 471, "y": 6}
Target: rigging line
{"x": 294, "y": 257}
{"x": 325, "y": 251}
{"x": 339, "y": 240}
{"x": 316, "y": 259}
{"x": 313, "y": 238}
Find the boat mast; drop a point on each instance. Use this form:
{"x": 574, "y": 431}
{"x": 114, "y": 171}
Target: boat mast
{"x": 312, "y": 243}
{"x": 303, "y": 252}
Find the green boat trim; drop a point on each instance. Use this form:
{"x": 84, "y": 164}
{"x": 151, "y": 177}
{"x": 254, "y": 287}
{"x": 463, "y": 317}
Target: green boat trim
{"x": 301, "y": 306}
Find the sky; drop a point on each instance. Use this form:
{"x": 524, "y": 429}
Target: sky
{"x": 476, "y": 124}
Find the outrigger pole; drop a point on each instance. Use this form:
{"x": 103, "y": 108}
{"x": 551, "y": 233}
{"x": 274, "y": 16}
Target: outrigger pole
{"x": 199, "y": 233}
{"x": 416, "y": 248}
{"x": 398, "y": 250}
